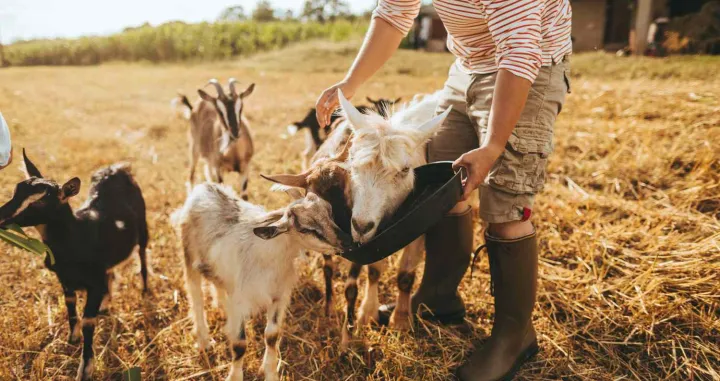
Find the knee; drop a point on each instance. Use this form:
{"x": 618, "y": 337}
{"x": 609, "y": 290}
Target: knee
{"x": 511, "y": 230}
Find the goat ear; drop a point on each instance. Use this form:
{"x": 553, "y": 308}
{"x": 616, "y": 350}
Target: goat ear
{"x": 70, "y": 188}
{"x": 354, "y": 116}
{"x": 30, "y": 168}
{"x": 431, "y": 126}
{"x": 248, "y": 91}
{"x": 273, "y": 230}
{"x": 205, "y": 96}
{"x": 297, "y": 181}
{"x": 345, "y": 153}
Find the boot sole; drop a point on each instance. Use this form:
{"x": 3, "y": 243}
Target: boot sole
{"x": 525, "y": 355}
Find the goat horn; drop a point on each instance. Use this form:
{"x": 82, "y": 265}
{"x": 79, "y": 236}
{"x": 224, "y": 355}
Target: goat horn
{"x": 232, "y": 83}
{"x": 219, "y": 88}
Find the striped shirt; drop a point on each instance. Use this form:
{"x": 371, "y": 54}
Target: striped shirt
{"x": 488, "y": 35}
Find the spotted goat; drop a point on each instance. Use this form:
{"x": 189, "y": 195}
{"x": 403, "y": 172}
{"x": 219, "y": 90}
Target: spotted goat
{"x": 87, "y": 243}
{"x": 247, "y": 253}
{"x": 219, "y": 133}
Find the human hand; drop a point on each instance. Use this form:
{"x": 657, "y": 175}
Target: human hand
{"x": 477, "y": 163}
{"x": 328, "y": 101}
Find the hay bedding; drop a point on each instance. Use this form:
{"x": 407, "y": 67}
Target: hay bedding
{"x": 628, "y": 226}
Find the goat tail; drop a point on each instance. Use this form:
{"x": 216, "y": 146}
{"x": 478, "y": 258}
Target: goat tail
{"x": 182, "y": 106}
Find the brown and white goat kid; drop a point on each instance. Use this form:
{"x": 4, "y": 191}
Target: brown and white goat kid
{"x": 220, "y": 134}
{"x": 86, "y": 244}
{"x": 248, "y": 254}
{"x": 378, "y": 177}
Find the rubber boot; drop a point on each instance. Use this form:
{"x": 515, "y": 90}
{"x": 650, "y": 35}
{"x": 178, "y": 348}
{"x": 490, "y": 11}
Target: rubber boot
{"x": 513, "y": 272}
{"x": 448, "y": 247}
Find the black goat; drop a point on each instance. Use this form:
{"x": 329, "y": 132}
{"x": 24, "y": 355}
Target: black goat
{"x": 86, "y": 244}
{"x": 317, "y": 135}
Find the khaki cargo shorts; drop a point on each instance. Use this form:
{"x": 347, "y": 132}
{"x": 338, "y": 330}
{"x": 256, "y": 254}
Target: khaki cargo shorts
{"x": 519, "y": 174}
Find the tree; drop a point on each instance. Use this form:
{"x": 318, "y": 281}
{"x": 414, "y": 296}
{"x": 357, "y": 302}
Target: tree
{"x": 232, "y": 14}
{"x": 322, "y": 10}
{"x": 263, "y": 11}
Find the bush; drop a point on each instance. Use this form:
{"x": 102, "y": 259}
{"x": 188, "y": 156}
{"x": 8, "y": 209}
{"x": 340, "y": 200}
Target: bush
{"x": 176, "y": 41}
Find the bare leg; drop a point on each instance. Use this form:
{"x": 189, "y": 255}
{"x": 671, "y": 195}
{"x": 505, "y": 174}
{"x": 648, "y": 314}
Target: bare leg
{"x": 371, "y": 302}
{"x": 402, "y": 317}
{"x": 351, "y": 292}
{"x": 273, "y": 334}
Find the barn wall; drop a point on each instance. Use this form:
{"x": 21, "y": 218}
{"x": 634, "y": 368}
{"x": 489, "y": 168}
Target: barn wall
{"x": 588, "y": 24}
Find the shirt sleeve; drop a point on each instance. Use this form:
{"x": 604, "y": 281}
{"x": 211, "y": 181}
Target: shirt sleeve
{"x": 515, "y": 26}
{"x": 399, "y": 13}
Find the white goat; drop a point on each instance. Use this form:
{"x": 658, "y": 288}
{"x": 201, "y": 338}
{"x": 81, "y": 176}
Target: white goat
{"x": 248, "y": 254}
{"x": 219, "y": 134}
{"x": 374, "y": 180}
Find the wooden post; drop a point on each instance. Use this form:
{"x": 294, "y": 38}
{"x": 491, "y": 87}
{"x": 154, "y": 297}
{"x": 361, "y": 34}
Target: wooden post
{"x": 643, "y": 18}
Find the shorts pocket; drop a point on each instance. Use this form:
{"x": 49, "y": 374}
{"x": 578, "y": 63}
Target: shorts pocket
{"x": 566, "y": 76}
{"x": 522, "y": 166}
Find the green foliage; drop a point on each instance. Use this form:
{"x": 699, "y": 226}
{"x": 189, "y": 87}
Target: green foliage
{"x": 132, "y": 374}
{"x": 14, "y": 235}
{"x": 176, "y": 41}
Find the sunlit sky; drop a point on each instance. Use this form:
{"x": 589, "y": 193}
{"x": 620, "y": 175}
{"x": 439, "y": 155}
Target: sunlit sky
{"x": 25, "y": 19}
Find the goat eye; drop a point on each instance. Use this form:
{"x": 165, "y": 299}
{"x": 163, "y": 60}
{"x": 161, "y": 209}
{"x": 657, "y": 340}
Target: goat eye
{"x": 404, "y": 171}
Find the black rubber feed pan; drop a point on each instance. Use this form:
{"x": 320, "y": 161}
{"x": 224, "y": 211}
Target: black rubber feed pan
{"x": 437, "y": 189}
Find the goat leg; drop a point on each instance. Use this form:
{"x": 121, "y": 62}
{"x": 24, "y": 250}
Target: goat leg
{"x": 351, "y": 293}
{"x": 402, "y": 316}
{"x": 89, "y": 321}
{"x": 75, "y": 327}
{"x": 273, "y": 334}
{"x": 328, "y": 272}
{"x": 370, "y": 304}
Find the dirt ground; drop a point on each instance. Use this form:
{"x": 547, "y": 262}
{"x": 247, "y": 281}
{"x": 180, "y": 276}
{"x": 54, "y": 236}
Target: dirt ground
{"x": 628, "y": 223}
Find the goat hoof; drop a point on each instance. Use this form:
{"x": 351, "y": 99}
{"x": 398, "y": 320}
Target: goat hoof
{"x": 104, "y": 312}
{"x": 368, "y": 318}
{"x": 400, "y": 322}
{"x": 85, "y": 371}
{"x": 204, "y": 344}
{"x": 75, "y": 335}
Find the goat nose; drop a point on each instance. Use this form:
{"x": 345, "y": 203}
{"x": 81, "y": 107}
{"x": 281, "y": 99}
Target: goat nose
{"x": 361, "y": 227}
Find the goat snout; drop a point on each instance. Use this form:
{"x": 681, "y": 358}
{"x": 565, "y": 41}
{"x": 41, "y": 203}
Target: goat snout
{"x": 362, "y": 227}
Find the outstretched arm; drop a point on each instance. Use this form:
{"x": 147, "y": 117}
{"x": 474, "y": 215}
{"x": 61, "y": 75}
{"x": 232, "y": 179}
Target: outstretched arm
{"x": 392, "y": 20}
{"x": 515, "y": 27}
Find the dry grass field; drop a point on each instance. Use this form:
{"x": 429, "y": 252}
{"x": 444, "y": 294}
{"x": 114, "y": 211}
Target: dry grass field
{"x": 629, "y": 223}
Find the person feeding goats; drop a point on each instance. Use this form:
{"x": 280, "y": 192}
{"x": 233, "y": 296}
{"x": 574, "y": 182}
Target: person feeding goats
{"x": 506, "y": 88}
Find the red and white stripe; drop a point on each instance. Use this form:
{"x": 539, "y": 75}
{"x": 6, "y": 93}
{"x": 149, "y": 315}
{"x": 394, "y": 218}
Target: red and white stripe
{"x": 488, "y": 35}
